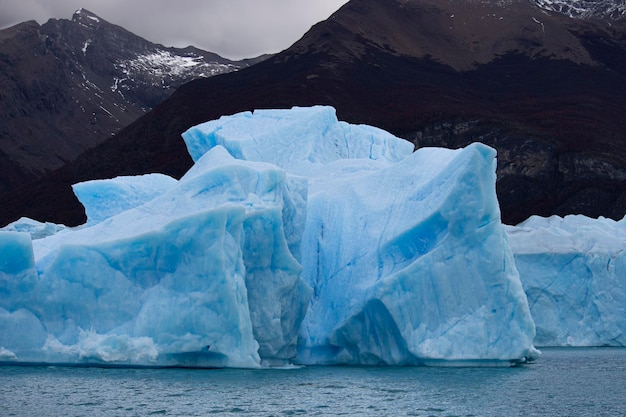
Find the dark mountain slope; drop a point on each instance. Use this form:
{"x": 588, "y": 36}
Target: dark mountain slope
{"x": 546, "y": 90}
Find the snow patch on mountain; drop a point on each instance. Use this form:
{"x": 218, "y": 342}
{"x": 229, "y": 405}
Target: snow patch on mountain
{"x": 163, "y": 65}
{"x": 86, "y": 19}
{"x": 613, "y": 9}
{"x": 86, "y": 45}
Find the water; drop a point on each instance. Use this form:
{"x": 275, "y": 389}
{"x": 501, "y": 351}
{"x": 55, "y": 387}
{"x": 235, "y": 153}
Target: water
{"x": 564, "y": 382}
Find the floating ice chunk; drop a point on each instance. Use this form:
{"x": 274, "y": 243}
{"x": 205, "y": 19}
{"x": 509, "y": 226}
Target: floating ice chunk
{"x": 292, "y": 234}
{"x": 573, "y": 270}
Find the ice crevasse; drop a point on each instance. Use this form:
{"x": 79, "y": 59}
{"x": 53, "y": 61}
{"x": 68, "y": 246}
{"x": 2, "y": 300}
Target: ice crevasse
{"x": 294, "y": 238}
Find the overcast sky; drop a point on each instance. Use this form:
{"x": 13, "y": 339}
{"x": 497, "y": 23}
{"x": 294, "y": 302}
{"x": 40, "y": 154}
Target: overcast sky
{"x": 232, "y": 28}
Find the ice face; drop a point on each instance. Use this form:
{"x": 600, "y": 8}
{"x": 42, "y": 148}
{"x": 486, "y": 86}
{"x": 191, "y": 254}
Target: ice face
{"x": 573, "y": 270}
{"x": 20, "y": 330}
{"x": 294, "y": 237}
{"x": 411, "y": 266}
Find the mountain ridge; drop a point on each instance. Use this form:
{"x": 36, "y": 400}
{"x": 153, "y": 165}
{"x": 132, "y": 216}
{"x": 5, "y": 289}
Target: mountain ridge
{"x": 479, "y": 30}
{"x": 550, "y": 105}
{"x": 70, "y": 84}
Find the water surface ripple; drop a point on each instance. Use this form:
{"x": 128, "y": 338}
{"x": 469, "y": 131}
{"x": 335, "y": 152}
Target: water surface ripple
{"x": 564, "y": 382}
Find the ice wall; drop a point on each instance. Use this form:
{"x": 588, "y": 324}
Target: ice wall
{"x": 573, "y": 270}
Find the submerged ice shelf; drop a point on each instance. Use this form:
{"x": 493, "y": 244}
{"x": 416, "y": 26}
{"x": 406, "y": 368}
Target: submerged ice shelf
{"x": 293, "y": 238}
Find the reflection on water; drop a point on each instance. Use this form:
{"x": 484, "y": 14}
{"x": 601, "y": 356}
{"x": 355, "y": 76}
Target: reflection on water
{"x": 563, "y": 382}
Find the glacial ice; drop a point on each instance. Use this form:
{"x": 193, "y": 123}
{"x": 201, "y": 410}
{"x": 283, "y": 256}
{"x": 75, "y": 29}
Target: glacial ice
{"x": 426, "y": 264}
{"x": 36, "y": 230}
{"x": 573, "y": 270}
{"x": 294, "y": 237}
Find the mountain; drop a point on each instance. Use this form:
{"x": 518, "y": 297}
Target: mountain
{"x": 68, "y": 85}
{"x": 545, "y": 89}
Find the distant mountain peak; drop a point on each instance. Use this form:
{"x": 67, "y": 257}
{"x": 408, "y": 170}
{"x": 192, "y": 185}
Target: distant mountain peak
{"x": 81, "y": 81}
{"x": 462, "y": 34}
{"x": 86, "y": 18}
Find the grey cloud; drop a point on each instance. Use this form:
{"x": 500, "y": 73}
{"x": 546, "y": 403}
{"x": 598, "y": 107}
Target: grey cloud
{"x": 13, "y": 12}
{"x": 232, "y": 28}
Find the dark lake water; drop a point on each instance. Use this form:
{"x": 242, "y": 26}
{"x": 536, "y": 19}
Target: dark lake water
{"x": 563, "y": 382}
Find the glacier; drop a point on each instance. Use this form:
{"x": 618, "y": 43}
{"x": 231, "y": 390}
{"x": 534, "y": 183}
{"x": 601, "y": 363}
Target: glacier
{"x": 573, "y": 270}
{"x": 294, "y": 238}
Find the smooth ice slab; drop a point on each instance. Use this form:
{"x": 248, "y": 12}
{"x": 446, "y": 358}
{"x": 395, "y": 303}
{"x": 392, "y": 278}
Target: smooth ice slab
{"x": 573, "y": 270}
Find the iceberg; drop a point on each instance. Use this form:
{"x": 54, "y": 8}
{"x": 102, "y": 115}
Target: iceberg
{"x": 573, "y": 271}
{"x": 293, "y": 238}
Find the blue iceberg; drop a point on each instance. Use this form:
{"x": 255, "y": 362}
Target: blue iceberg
{"x": 294, "y": 238}
{"x": 573, "y": 270}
